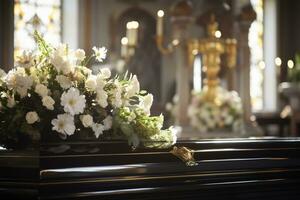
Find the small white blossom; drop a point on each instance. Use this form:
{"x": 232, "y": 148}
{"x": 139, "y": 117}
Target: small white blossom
{"x": 63, "y": 81}
{"x": 73, "y": 102}
{"x": 102, "y": 98}
{"x": 41, "y": 90}
{"x": 62, "y": 65}
{"x": 117, "y": 95}
{"x": 80, "y": 54}
{"x": 23, "y": 84}
{"x": 98, "y": 129}
{"x": 100, "y": 53}
{"x": 18, "y": 80}
{"x": 107, "y": 122}
{"x": 32, "y": 117}
{"x": 134, "y": 87}
{"x": 100, "y": 82}
{"x": 26, "y": 60}
{"x": 105, "y": 73}
{"x": 90, "y": 83}
{"x": 86, "y": 120}
{"x": 86, "y": 70}
{"x": 48, "y": 102}
{"x": 64, "y": 124}
{"x": 60, "y": 60}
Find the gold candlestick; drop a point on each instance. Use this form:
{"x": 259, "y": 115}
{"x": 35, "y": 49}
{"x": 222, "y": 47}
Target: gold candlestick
{"x": 211, "y": 49}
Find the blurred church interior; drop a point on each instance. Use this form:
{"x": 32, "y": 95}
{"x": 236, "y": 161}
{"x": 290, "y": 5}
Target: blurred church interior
{"x": 166, "y": 43}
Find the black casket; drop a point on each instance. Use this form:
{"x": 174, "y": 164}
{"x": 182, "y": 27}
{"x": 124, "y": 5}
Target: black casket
{"x": 227, "y": 169}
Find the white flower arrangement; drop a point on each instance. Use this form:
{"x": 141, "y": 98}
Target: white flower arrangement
{"x": 206, "y": 116}
{"x": 224, "y": 113}
{"x": 53, "y": 93}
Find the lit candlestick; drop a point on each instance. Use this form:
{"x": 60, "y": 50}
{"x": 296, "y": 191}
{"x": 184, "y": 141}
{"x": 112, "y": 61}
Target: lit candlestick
{"x": 132, "y": 32}
{"x": 124, "y": 43}
{"x": 159, "y": 24}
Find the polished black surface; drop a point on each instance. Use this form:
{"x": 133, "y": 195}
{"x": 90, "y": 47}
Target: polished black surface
{"x": 227, "y": 169}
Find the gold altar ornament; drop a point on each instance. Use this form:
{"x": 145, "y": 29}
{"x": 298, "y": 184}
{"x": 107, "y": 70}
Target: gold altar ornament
{"x": 211, "y": 49}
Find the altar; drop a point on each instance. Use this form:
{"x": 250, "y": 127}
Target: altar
{"x": 227, "y": 169}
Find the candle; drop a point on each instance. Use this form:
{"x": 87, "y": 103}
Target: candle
{"x": 124, "y": 43}
{"x": 159, "y": 24}
{"x": 132, "y": 32}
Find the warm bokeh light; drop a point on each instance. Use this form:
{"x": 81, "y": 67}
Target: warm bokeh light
{"x": 218, "y": 34}
{"x": 278, "y": 61}
{"x": 290, "y": 64}
{"x": 160, "y": 13}
{"x": 124, "y": 41}
{"x": 175, "y": 42}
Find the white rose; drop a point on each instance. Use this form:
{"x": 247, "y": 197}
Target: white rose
{"x": 91, "y": 83}
{"x": 32, "y": 117}
{"x": 48, "y": 102}
{"x": 63, "y": 81}
{"x": 87, "y": 120}
{"x": 22, "y": 84}
{"x": 22, "y": 92}
{"x": 80, "y": 54}
{"x": 41, "y": 90}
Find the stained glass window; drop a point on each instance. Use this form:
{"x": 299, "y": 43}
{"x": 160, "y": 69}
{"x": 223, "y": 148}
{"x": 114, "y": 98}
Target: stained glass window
{"x": 43, "y": 16}
{"x": 257, "y": 64}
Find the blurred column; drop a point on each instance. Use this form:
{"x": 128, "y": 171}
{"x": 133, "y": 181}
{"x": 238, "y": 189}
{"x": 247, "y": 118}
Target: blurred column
{"x": 181, "y": 20}
{"x": 245, "y": 19}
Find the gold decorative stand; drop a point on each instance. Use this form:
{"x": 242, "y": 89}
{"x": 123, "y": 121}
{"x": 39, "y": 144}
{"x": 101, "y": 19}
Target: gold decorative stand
{"x": 211, "y": 49}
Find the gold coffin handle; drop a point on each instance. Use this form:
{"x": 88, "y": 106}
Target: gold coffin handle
{"x": 185, "y": 154}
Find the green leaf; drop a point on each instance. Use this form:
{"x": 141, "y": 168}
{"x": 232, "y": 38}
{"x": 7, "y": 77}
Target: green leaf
{"x": 42, "y": 45}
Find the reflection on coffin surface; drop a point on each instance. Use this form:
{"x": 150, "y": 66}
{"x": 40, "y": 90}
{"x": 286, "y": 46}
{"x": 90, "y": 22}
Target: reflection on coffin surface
{"x": 233, "y": 169}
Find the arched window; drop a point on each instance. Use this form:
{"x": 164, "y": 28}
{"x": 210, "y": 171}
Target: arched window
{"x": 43, "y": 16}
